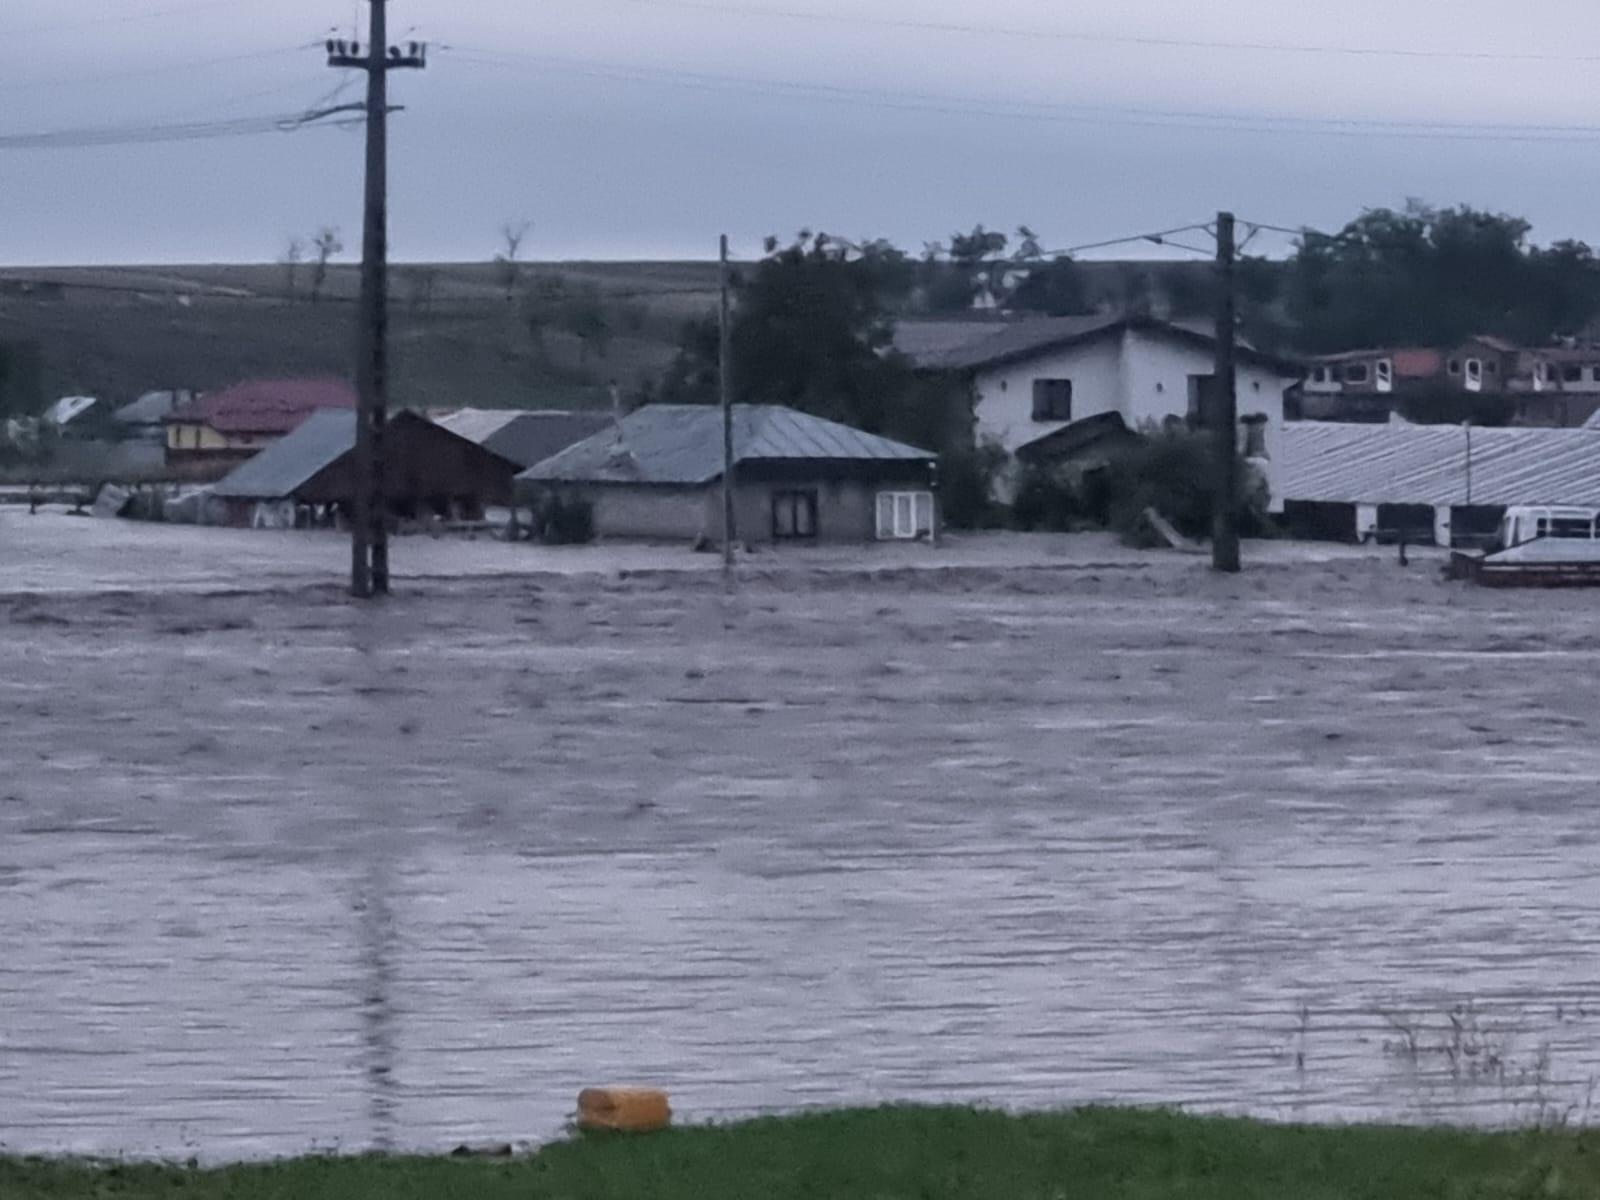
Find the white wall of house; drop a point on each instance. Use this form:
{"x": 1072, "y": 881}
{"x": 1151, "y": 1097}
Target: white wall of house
{"x": 1140, "y": 374}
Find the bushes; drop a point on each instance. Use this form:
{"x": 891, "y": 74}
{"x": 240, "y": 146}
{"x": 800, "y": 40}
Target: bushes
{"x": 1170, "y": 472}
{"x": 562, "y": 520}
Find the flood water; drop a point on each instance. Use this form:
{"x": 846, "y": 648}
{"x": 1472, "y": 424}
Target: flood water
{"x": 1314, "y": 844}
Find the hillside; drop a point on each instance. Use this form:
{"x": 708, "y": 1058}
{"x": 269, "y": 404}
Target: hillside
{"x": 116, "y": 332}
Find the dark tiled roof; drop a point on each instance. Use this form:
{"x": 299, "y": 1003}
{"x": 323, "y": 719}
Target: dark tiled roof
{"x": 682, "y": 444}
{"x": 1013, "y": 341}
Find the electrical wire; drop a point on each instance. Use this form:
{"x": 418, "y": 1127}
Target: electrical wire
{"x": 1037, "y": 110}
{"x": 969, "y": 29}
{"x": 187, "y": 131}
{"x": 198, "y": 64}
{"x": 170, "y": 10}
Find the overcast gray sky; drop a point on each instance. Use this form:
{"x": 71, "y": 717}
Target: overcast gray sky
{"x": 633, "y": 128}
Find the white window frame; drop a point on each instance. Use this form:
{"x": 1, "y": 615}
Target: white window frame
{"x": 1383, "y": 374}
{"x": 905, "y": 516}
{"x": 1474, "y": 374}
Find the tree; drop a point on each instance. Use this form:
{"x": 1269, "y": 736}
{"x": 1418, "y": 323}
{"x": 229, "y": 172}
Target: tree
{"x": 1433, "y": 277}
{"x": 326, "y": 244}
{"x": 291, "y": 258}
{"x": 813, "y": 330}
{"x": 1053, "y": 289}
{"x": 508, "y": 270}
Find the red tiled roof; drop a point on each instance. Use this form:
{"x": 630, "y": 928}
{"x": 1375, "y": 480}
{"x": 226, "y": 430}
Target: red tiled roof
{"x": 1418, "y": 364}
{"x": 267, "y": 405}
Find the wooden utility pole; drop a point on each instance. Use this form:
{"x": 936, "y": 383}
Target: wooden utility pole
{"x": 1225, "y": 410}
{"x": 369, "y": 529}
{"x": 725, "y": 385}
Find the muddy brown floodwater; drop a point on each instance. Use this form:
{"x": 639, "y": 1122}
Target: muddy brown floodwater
{"x": 277, "y": 873}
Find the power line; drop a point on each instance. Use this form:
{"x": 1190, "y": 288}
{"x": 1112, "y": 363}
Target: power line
{"x": 1035, "y": 34}
{"x": 119, "y": 19}
{"x": 1044, "y": 111}
{"x": 188, "y": 131}
{"x": 145, "y": 72}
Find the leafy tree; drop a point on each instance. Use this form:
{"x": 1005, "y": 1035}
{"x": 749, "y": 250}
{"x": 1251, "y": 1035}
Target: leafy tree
{"x": 1434, "y": 276}
{"x": 1053, "y": 289}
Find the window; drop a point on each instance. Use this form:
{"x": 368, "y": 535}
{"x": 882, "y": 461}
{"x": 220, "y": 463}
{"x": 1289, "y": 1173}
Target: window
{"x": 1385, "y": 374}
{"x": 1052, "y": 399}
{"x": 794, "y": 515}
{"x": 1492, "y": 367}
{"x": 1474, "y": 374}
{"x": 1594, "y": 374}
{"x": 1201, "y": 403}
{"x": 1320, "y": 375}
{"x": 905, "y": 516}
{"x": 1255, "y": 437}
{"x": 1571, "y": 527}
{"x": 1356, "y": 373}
{"x": 1454, "y": 366}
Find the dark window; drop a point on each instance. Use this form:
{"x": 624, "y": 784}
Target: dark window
{"x": 1492, "y": 367}
{"x": 794, "y": 515}
{"x": 1255, "y": 437}
{"x": 1356, "y": 373}
{"x": 1572, "y": 374}
{"x": 1201, "y": 403}
{"x": 1320, "y": 375}
{"x": 1052, "y": 399}
{"x": 1454, "y": 366}
{"x": 1569, "y": 527}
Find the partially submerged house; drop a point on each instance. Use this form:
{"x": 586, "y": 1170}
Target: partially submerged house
{"x": 145, "y": 418}
{"x": 1033, "y": 380}
{"x": 1448, "y": 484}
{"x": 309, "y": 477}
{"x": 525, "y": 436}
{"x": 231, "y": 425}
{"x": 657, "y": 473}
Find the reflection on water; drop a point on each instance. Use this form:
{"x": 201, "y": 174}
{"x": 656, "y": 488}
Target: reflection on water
{"x": 273, "y": 879}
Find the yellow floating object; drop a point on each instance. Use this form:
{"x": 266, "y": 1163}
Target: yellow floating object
{"x": 624, "y": 1110}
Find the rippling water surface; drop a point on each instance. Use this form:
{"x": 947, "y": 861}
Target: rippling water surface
{"x": 1320, "y": 843}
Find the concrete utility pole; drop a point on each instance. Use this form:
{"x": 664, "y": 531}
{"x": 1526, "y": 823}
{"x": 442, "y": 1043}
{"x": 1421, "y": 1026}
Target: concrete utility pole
{"x": 1225, "y": 410}
{"x": 725, "y": 385}
{"x": 369, "y": 531}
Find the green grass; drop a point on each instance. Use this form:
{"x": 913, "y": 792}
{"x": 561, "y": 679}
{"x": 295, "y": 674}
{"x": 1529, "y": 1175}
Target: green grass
{"x": 909, "y": 1154}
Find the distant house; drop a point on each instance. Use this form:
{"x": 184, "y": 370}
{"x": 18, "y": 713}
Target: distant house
{"x": 237, "y": 422}
{"x": 1034, "y": 380}
{"x": 656, "y": 474}
{"x": 309, "y": 477}
{"x": 525, "y": 436}
{"x": 145, "y": 418}
{"x": 68, "y": 410}
{"x": 1553, "y": 385}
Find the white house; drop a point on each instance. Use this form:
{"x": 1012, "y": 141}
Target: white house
{"x": 1033, "y": 379}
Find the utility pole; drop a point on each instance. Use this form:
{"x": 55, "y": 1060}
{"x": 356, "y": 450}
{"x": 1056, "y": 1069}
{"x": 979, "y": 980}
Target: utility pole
{"x": 724, "y": 359}
{"x": 369, "y": 530}
{"x": 1225, "y": 410}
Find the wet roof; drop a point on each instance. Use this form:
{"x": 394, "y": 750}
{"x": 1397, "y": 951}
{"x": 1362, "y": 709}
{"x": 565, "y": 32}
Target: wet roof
{"x": 682, "y": 444}
{"x": 1438, "y": 465}
{"x": 526, "y": 437}
{"x": 292, "y": 461}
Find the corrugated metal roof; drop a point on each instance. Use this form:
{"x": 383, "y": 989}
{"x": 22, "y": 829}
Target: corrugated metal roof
{"x": 682, "y": 444}
{"x": 525, "y": 436}
{"x": 266, "y": 405}
{"x": 1438, "y": 465}
{"x": 291, "y": 462}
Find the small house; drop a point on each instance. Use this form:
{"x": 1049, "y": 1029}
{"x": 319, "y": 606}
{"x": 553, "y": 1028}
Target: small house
{"x": 309, "y": 476}
{"x": 798, "y": 478}
{"x": 232, "y": 425}
{"x": 1033, "y": 380}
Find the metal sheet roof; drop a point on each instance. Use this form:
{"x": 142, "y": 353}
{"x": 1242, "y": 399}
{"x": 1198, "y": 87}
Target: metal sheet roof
{"x": 1438, "y": 465}
{"x": 291, "y": 462}
{"x": 526, "y": 437}
{"x": 682, "y": 444}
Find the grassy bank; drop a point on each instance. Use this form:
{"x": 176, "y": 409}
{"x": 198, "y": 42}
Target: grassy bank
{"x": 910, "y": 1154}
